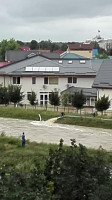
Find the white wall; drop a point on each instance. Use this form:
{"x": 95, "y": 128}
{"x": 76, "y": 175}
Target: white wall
{"x": 27, "y": 86}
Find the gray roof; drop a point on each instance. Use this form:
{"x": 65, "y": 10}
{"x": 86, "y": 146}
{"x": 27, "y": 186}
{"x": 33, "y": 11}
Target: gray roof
{"x": 104, "y": 75}
{"x": 93, "y": 64}
{"x": 96, "y": 63}
{"x": 19, "y": 55}
{"x": 88, "y": 92}
{"x": 74, "y": 68}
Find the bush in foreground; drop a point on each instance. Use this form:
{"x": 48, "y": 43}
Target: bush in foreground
{"x": 69, "y": 173}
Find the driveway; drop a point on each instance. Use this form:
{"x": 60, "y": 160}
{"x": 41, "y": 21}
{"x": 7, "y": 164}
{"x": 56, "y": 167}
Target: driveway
{"x": 49, "y": 132}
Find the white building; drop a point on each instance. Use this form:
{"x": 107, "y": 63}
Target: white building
{"x": 43, "y": 76}
{"x": 103, "y": 43}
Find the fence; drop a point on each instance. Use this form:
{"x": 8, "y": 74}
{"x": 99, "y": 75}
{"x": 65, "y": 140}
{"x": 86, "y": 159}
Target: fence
{"x": 67, "y": 109}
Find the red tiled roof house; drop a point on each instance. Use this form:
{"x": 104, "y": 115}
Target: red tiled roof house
{"x": 85, "y": 50}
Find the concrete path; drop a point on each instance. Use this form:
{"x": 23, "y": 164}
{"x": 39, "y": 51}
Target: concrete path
{"x": 49, "y": 132}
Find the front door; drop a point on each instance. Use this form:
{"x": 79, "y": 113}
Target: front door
{"x": 44, "y": 99}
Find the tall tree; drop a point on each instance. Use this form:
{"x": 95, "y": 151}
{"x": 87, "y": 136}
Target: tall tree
{"x": 15, "y": 94}
{"x": 54, "y": 99}
{"x": 33, "y": 45}
{"x": 4, "y": 95}
{"x": 65, "y": 98}
{"x": 32, "y": 98}
{"x": 102, "y": 104}
{"x": 7, "y": 45}
{"x": 78, "y": 100}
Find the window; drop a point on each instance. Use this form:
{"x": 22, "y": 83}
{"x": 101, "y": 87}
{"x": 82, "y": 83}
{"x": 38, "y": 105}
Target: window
{"x": 82, "y": 61}
{"x": 44, "y": 99}
{"x": 28, "y": 95}
{"x": 53, "y": 80}
{"x": 72, "y": 80}
{"x": 70, "y": 61}
{"x": 45, "y": 80}
{"x": 69, "y": 79}
{"x": 33, "y": 80}
{"x": 16, "y": 80}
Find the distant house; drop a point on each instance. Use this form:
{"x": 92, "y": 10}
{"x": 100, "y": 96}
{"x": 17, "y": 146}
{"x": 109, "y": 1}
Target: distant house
{"x": 90, "y": 94}
{"x": 66, "y": 55}
{"x": 58, "y": 51}
{"x": 103, "y": 80}
{"x": 15, "y": 56}
{"x": 85, "y": 50}
{"x": 24, "y": 48}
{"x": 2, "y": 64}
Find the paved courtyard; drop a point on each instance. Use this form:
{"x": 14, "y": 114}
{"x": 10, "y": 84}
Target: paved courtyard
{"x": 50, "y": 132}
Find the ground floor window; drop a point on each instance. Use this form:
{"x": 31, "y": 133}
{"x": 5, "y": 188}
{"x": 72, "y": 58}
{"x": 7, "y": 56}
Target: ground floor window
{"x": 28, "y": 95}
{"x": 90, "y": 101}
{"x": 44, "y": 98}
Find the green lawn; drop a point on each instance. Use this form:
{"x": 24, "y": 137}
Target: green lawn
{"x": 22, "y": 113}
{"x": 83, "y": 121}
{"x": 13, "y": 155}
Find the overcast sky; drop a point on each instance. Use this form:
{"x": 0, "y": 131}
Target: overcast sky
{"x": 57, "y": 20}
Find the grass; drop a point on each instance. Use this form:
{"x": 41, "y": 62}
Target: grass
{"x": 89, "y": 122}
{"x": 12, "y": 154}
{"x": 31, "y": 114}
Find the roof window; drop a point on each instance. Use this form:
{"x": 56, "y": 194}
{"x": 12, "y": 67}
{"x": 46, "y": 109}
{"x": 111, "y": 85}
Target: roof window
{"x": 70, "y": 61}
{"x": 60, "y": 61}
{"x": 82, "y": 61}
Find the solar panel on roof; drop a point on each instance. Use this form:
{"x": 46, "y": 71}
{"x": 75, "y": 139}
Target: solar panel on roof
{"x": 48, "y": 69}
{"x": 28, "y": 69}
{"x": 55, "y": 69}
{"x": 42, "y": 69}
{"x": 35, "y": 69}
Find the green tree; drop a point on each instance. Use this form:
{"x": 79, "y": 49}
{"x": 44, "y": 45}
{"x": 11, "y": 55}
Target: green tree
{"x": 76, "y": 174}
{"x": 15, "y": 94}
{"x": 65, "y": 98}
{"x": 78, "y": 100}
{"x": 64, "y": 46}
{"x": 20, "y": 43}
{"x": 54, "y": 99}
{"x": 7, "y": 45}
{"x": 102, "y": 104}
{"x": 4, "y": 95}
{"x": 33, "y": 45}
{"x": 32, "y": 98}
{"x": 102, "y": 56}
